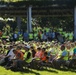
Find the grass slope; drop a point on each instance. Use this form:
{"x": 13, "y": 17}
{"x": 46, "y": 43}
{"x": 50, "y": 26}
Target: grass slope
{"x": 50, "y": 71}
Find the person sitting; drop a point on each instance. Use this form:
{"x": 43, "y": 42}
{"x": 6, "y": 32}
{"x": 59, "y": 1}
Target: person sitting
{"x": 27, "y": 58}
{"x": 9, "y": 55}
{"x": 73, "y": 61}
{"x": 63, "y": 57}
{"x": 18, "y": 56}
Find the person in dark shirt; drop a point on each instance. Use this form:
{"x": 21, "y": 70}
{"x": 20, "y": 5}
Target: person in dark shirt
{"x": 33, "y": 51}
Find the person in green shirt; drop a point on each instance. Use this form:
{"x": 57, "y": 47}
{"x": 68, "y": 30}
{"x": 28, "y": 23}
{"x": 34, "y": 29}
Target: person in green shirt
{"x": 63, "y": 58}
{"x": 30, "y": 36}
{"x": 73, "y": 60}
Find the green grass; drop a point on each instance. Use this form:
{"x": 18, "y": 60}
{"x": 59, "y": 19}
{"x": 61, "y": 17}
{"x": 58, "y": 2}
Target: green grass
{"x": 50, "y": 71}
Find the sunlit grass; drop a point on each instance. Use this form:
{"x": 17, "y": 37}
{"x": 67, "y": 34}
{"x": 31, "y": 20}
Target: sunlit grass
{"x": 50, "y": 71}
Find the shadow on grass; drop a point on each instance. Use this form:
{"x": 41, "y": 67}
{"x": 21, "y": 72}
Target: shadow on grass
{"x": 49, "y": 70}
{"x": 33, "y": 72}
{"x": 71, "y": 70}
{"x": 29, "y": 71}
{"x": 25, "y": 71}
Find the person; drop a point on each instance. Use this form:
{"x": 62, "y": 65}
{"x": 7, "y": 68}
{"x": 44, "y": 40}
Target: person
{"x": 9, "y": 55}
{"x": 31, "y": 36}
{"x": 73, "y": 61}
{"x": 0, "y": 33}
{"x": 26, "y": 36}
{"x": 33, "y": 51}
{"x": 44, "y": 36}
{"x": 18, "y": 56}
{"x": 44, "y": 58}
{"x": 15, "y": 36}
{"x": 28, "y": 54}
{"x": 43, "y": 61}
{"x": 39, "y": 35}
{"x": 27, "y": 58}
{"x": 70, "y": 51}
{"x": 63, "y": 57}
{"x": 2, "y": 56}
{"x": 60, "y": 38}
{"x": 53, "y": 35}
{"x": 50, "y": 35}
{"x": 20, "y": 37}
{"x": 38, "y": 54}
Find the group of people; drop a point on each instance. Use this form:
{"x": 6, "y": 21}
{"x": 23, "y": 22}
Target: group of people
{"x": 20, "y": 53}
{"x": 18, "y": 49}
{"x": 8, "y": 34}
{"x": 20, "y": 35}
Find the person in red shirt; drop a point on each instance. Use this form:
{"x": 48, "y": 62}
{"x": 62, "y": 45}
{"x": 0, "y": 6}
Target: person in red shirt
{"x": 38, "y": 53}
{"x": 18, "y": 54}
{"x": 44, "y": 58}
{"x": 0, "y": 33}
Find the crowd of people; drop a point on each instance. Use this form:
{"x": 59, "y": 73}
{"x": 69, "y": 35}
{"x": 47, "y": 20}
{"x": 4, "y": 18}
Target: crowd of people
{"x": 38, "y": 34}
{"x": 18, "y": 50}
{"x": 19, "y": 54}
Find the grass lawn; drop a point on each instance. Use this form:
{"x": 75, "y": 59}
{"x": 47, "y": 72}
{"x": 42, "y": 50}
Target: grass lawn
{"x": 50, "y": 71}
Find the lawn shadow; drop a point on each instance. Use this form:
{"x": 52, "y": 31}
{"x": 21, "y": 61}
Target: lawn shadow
{"x": 49, "y": 70}
{"x": 62, "y": 69}
{"x": 26, "y": 71}
{"x": 30, "y": 71}
{"x": 36, "y": 73}
{"x": 72, "y": 70}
